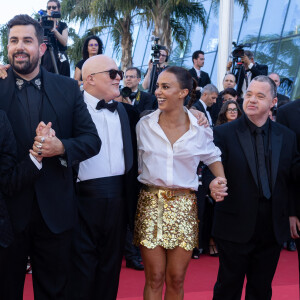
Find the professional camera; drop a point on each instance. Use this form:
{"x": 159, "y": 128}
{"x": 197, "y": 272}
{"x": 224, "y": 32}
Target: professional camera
{"x": 238, "y": 50}
{"x": 156, "y": 49}
{"x": 125, "y": 92}
{"x": 48, "y": 24}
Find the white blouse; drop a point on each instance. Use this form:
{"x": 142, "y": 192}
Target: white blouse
{"x": 164, "y": 166}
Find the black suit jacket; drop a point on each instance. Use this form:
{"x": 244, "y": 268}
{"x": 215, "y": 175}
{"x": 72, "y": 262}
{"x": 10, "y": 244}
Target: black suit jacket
{"x": 202, "y": 81}
{"x": 289, "y": 115}
{"x": 54, "y": 189}
{"x": 256, "y": 70}
{"x": 129, "y": 116}
{"x": 146, "y": 102}
{"x": 282, "y": 98}
{"x": 198, "y": 105}
{"x": 235, "y": 217}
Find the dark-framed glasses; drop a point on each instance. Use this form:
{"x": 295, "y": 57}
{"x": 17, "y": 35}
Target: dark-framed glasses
{"x": 232, "y": 109}
{"x": 52, "y": 6}
{"x": 112, "y": 73}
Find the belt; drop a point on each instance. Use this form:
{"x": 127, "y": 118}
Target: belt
{"x": 166, "y": 193}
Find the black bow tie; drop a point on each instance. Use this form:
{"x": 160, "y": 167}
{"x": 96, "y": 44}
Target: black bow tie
{"x": 110, "y": 106}
{"x": 132, "y": 96}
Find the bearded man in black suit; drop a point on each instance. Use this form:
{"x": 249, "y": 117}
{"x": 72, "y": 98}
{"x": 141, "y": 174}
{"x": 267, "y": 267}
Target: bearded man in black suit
{"x": 252, "y": 222}
{"x": 201, "y": 77}
{"x": 43, "y": 211}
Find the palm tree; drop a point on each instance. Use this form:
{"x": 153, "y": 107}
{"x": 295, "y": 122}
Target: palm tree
{"x": 171, "y": 17}
{"x": 115, "y": 14}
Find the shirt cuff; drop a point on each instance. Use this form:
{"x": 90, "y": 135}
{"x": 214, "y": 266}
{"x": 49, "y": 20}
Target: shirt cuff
{"x": 250, "y": 65}
{"x": 38, "y": 164}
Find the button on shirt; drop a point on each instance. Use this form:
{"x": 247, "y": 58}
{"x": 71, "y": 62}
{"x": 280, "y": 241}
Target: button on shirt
{"x": 110, "y": 160}
{"x": 162, "y": 165}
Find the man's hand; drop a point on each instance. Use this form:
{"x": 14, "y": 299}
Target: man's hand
{"x": 3, "y": 71}
{"x": 294, "y": 227}
{"x": 218, "y": 188}
{"x": 229, "y": 65}
{"x": 47, "y": 146}
{"x": 45, "y": 130}
{"x": 200, "y": 116}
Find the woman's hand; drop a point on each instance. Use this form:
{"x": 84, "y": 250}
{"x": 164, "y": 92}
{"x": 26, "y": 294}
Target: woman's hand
{"x": 218, "y": 188}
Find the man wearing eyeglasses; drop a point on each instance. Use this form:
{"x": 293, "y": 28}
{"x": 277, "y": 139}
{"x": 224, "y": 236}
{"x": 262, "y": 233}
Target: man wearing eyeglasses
{"x": 43, "y": 211}
{"x": 106, "y": 185}
{"x": 139, "y": 99}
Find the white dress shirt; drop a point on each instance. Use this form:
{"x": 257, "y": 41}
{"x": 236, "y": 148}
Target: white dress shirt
{"x": 198, "y": 72}
{"x": 207, "y": 113}
{"x": 110, "y": 160}
{"x": 162, "y": 165}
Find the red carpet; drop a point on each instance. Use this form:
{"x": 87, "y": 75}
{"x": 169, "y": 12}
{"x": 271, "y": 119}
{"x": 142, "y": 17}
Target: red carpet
{"x": 200, "y": 280}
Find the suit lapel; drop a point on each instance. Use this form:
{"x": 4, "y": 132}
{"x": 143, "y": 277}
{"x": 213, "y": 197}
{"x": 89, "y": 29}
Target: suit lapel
{"x": 245, "y": 140}
{"x": 276, "y": 145}
{"x": 126, "y": 135}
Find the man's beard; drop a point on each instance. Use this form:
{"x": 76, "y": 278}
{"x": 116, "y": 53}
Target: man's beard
{"x": 25, "y": 67}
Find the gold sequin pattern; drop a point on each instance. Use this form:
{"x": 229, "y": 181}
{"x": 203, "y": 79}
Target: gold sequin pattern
{"x": 166, "y": 221}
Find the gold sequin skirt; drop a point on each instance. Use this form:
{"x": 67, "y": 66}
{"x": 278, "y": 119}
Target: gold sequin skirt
{"x": 166, "y": 220}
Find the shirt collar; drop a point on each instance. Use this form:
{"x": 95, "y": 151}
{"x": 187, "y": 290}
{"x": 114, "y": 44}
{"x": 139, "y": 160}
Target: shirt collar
{"x": 253, "y": 127}
{"x": 36, "y": 81}
{"x": 203, "y": 103}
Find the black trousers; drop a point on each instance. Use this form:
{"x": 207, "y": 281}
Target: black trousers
{"x": 50, "y": 260}
{"x": 98, "y": 243}
{"x": 256, "y": 259}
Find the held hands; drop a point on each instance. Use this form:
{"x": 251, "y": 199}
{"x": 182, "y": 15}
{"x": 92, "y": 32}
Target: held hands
{"x": 218, "y": 188}
{"x": 294, "y": 227}
{"x": 46, "y": 144}
{"x": 229, "y": 65}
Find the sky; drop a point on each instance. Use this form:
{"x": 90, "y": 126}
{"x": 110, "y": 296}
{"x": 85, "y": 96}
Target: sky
{"x": 10, "y": 8}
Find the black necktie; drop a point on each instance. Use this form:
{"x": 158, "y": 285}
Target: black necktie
{"x": 208, "y": 108}
{"x": 34, "y": 102}
{"x": 262, "y": 171}
{"x": 110, "y": 106}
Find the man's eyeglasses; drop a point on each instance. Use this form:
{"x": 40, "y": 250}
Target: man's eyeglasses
{"x": 130, "y": 76}
{"x": 53, "y": 7}
{"x": 112, "y": 73}
{"x": 232, "y": 109}
{"x": 93, "y": 45}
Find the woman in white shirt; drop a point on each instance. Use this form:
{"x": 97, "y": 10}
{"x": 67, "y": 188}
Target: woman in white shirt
{"x": 171, "y": 144}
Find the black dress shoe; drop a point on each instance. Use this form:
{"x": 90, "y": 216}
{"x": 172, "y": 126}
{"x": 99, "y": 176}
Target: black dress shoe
{"x": 196, "y": 253}
{"x": 291, "y": 246}
{"x": 134, "y": 264}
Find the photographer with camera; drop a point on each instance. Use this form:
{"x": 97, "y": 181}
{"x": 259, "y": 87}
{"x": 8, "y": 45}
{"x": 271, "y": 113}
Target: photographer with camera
{"x": 55, "y": 38}
{"x": 157, "y": 64}
{"x": 131, "y": 93}
{"x": 245, "y": 68}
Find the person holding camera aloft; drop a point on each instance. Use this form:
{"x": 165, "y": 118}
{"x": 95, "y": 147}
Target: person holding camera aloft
{"x": 249, "y": 70}
{"x": 162, "y": 64}
{"x": 58, "y": 41}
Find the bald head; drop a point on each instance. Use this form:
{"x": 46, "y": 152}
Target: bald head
{"x": 100, "y": 85}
